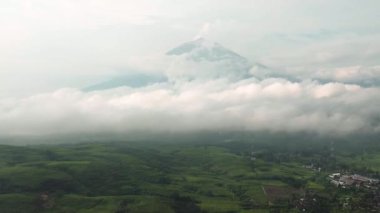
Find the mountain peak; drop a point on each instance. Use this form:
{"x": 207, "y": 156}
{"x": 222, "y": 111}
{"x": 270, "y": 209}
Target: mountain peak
{"x": 199, "y": 39}
{"x": 202, "y": 42}
{"x": 188, "y": 47}
{"x": 201, "y": 49}
{"x": 202, "y": 58}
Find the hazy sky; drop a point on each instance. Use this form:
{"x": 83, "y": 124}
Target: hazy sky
{"x": 48, "y": 45}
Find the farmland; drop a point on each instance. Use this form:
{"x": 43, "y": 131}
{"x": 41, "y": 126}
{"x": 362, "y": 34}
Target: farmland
{"x": 166, "y": 177}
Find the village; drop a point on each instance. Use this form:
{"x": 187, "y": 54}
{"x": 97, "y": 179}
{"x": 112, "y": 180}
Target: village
{"x": 353, "y": 180}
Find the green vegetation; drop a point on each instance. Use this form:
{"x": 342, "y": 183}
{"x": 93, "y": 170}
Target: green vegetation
{"x": 176, "y": 177}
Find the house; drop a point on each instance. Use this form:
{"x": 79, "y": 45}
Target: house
{"x": 335, "y": 176}
{"x": 335, "y": 183}
{"x": 347, "y": 180}
{"x": 363, "y": 179}
{"x": 352, "y": 180}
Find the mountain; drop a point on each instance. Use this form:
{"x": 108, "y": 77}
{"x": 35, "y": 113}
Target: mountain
{"x": 201, "y": 58}
{"x": 204, "y": 50}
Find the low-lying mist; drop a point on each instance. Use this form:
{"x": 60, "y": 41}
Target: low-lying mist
{"x": 187, "y": 107}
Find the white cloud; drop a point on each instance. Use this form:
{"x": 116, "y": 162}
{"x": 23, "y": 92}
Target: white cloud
{"x": 272, "y": 104}
{"x": 203, "y": 31}
{"x": 354, "y": 74}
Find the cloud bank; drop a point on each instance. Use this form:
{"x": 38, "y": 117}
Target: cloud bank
{"x": 274, "y": 105}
